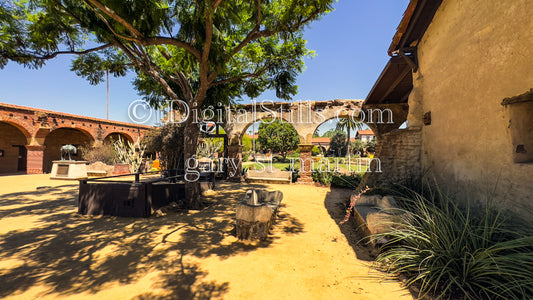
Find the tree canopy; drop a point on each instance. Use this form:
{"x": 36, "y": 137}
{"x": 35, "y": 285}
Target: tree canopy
{"x": 278, "y": 136}
{"x": 182, "y": 49}
{"x": 337, "y": 144}
{"x": 203, "y": 52}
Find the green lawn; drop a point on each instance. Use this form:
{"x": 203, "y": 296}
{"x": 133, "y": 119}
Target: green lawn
{"x": 316, "y": 166}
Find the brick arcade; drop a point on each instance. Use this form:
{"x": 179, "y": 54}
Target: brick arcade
{"x": 31, "y": 138}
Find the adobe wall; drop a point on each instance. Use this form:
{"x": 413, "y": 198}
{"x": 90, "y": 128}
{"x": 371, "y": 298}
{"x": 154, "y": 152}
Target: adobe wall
{"x": 473, "y": 55}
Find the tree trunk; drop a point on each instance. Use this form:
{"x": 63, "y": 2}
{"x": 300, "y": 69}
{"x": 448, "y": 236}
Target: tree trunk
{"x": 193, "y": 198}
{"x": 348, "y": 140}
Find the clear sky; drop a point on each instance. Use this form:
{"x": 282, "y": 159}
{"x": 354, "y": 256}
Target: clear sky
{"x": 351, "y": 45}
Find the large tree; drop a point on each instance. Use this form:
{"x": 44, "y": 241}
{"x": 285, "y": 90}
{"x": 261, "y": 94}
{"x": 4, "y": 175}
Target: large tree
{"x": 203, "y": 52}
{"x": 278, "y": 136}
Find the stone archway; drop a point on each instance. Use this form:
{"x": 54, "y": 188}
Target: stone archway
{"x": 13, "y": 152}
{"x": 114, "y": 136}
{"x": 62, "y": 136}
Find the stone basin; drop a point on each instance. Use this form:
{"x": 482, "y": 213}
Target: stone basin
{"x": 256, "y": 213}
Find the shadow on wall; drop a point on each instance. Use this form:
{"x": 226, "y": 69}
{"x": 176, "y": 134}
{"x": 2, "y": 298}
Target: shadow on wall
{"x": 73, "y": 254}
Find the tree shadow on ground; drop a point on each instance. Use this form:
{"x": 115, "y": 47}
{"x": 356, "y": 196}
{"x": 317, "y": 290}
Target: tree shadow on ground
{"x": 337, "y": 210}
{"x": 71, "y": 254}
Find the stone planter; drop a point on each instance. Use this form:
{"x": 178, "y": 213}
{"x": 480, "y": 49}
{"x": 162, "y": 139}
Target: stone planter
{"x": 256, "y": 213}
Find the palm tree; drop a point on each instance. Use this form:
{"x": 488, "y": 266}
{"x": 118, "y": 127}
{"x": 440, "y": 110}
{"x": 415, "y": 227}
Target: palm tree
{"x": 349, "y": 124}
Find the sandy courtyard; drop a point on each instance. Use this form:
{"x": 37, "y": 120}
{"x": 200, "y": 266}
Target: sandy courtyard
{"x": 48, "y": 251}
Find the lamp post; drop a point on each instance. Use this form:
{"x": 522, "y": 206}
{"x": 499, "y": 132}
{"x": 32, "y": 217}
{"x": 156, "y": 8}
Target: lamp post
{"x": 107, "y": 81}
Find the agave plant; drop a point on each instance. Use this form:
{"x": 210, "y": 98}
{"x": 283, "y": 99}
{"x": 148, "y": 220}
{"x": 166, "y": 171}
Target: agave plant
{"x": 131, "y": 154}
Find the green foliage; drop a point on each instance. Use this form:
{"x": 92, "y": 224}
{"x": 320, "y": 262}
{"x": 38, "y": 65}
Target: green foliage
{"x": 315, "y": 151}
{"x": 371, "y": 146}
{"x": 129, "y": 153}
{"x": 324, "y": 178}
{"x": 357, "y": 147}
{"x": 349, "y": 124}
{"x": 208, "y": 147}
{"x": 167, "y": 140}
{"x": 337, "y": 144}
{"x": 247, "y": 143}
{"x": 295, "y": 172}
{"x": 246, "y": 155}
{"x": 346, "y": 181}
{"x": 330, "y": 133}
{"x": 278, "y": 136}
{"x": 458, "y": 252}
{"x": 215, "y": 51}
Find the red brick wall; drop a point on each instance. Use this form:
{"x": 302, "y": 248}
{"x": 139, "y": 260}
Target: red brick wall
{"x": 9, "y": 136}
{"x": 306, "y": 164}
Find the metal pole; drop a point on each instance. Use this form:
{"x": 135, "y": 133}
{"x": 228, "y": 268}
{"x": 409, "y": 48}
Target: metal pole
{"x": 253, "y": 131}
{"x": 107, "y": 81}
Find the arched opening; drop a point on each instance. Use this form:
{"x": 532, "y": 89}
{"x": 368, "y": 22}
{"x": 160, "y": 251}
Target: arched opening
{"x": 64, "y": 136}
{"x": 115, "y": 136}
{"x": 13, "y": 154}
{"x": 270, "y": 142}
{"x": 340, "y": 154}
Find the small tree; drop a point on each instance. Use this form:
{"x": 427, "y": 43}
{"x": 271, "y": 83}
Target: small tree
{"x": 338, "y": 144}
{"x": 357, "y": 147}
{"x": 330, "y": 133}
{"x": 278, "y": 136}
{"x": 371, "y": 146}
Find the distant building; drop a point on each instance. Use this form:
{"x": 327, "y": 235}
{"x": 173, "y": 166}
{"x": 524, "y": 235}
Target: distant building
{"x": 365, "y": 135}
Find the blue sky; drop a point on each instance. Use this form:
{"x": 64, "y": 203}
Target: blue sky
{"x": 351, "y": 45}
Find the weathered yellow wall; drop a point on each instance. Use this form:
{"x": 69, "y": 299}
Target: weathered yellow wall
{"x": 474, "y": 54}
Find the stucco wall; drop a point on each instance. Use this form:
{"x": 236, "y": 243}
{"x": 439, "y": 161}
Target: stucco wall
{"x": 474, "y": 54}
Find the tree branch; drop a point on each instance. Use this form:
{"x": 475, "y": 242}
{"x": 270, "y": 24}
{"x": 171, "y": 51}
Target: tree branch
{"x": 160, "y": 40}
{"x": 251, "y": 35}
{"x": 240, "y": 77}
{"x": 54, "y": 54}
{"x": 108, "y": 11}
{"x": 216, "y": 4}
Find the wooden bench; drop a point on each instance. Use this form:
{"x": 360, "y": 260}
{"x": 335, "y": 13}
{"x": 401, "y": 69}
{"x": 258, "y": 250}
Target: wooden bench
{"x": 268, "y": 176}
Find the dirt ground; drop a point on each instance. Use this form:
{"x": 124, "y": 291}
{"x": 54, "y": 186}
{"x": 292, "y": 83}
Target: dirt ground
{"x": 48, "y": 251}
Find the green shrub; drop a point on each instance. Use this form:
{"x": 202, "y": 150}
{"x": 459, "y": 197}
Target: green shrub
{"x": 246, "y": 156}
{"x": 322, "y": 177}
{"x": 315, "y": 151}
{"x": 295, "y": 173}
{"x": 347, "y": 181}
{"x": 454, "y": 252}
